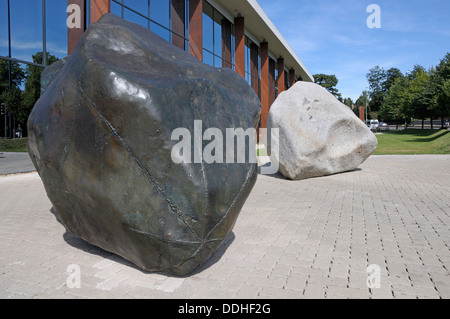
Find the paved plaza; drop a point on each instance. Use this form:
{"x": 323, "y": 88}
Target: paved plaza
{"x": 305, "y": 239}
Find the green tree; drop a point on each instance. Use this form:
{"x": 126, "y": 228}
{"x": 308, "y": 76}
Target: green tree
{"x": 13, "y": 101}
{"x": 396, "y": 106}
{"x": 376, "y": 78}
{"x": 329, "y": 82}
{"x": 363, "y": 99}
{"x": 446, "y": 93}
{"x": 32, "y": 90}
{"x": 348, "y": 101}
{"x": 440, "y": 79}
{"x": 10, "y": 93}
{"x": 17, "y": 75}
{"x": 424, "y": 99}
{"x": 380, "y": 82}
{"x": 391, "y": 76}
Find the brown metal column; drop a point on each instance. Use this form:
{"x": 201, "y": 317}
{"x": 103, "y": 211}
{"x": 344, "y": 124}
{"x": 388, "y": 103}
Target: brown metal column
{"x": 99, "y": 8}
{"x": 178, "y": 23}
{"x": 362, "y": 115}
{"x": 74, "y": 34}
{"x": 264, "y": 84}
{"x": 291, "y": 77}
{"x": 239, "y": 34}
{"x": 196, "y": 28}
{"x": 281, "y": 76}
{"x": 226, "y": 44}
{"x": 254, "y": 67}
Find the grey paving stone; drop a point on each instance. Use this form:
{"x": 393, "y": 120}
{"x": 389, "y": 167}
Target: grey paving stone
{"x": 311, "y": 239}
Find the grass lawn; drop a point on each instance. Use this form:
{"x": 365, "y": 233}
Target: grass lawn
{"x": 414, "y": 142}
{"x": 14, "y": 145}
{"x": 390, "y": 143}
{"x": 261, "y": 152}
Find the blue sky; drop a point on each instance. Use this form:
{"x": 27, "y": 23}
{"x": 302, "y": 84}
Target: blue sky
{"x": 332, "y": 37}
{"x": 329, "y": 36}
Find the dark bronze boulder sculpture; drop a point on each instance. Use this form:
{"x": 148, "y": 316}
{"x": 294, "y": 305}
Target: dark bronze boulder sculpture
{"x": 101, "y": 139}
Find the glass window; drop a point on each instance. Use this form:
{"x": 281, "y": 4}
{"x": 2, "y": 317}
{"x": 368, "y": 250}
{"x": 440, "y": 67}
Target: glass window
{"x": 213, "y": 22}
{"x": 218, "y": 33}
{"x": 247, "y": 60}
{"x": 153, "y": 14}
{"x": 276, "y": 81}
{"x": 208, "y": 58}
{"x": 252, "y": 64}
{"x": 140, "y": 6}
{"x": 286, "y": 79}
{"x": 29, "y": 23}
{"x": 233, "y": 47}
{"x": 160, "y": 16}
{"x": 26, "y": 28}
{"x": 208, "y": 27}
{"x": 218, "y": 61}
{"x": 135, "y": 18}
{"x": 56, "y": 21}
{"x": 117, "y": 9}
{"x": 162, "y": 32}
{"x": 4, "y": 28}
{"x": 160, "y": 12}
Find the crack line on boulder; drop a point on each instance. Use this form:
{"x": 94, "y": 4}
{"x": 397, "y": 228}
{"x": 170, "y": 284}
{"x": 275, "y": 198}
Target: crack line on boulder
{"x": 205, "y": 179}
{"x": 247, "y": 179}
{"x": 162, "y": 239}
{"x": 149, "y": 176}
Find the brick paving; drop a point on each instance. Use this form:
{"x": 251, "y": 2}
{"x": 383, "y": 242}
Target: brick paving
{"x": 303, "y": 239}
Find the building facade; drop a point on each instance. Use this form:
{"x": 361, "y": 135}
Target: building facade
{"x": 234, "y": 34}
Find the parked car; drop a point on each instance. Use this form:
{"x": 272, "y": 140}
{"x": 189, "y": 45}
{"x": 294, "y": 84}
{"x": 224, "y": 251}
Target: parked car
{"x": 374, "y": 124}
{"x": 383, "y": 124}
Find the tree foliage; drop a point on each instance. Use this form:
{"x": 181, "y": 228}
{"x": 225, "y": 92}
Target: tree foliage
{"x": 17, "y": 75}
{"x": 441, "y": 79}
{"x": 348, "y": 101}
{"x": 419, "y": 94}
{"x": 329, "y": 82}
{"x": 18, "y": 102}
{"x": 32, "y": 90}
{"x": 380, "y": 82}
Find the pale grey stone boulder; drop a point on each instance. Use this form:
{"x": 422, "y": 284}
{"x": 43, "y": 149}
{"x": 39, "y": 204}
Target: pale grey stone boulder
{"x": 318, "y": 135}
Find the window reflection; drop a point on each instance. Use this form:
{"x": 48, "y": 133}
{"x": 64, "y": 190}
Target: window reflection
{"x": 26, "y": 28}
{"x": 136, "y": 18}
{"x": 141, "y": 6}
{"x": 166, "y": 18}
{"x": 208, "y": 27}
{"x": 56, "y": 22}
{"x": 3, "y": 28}
{"x": 218, "y": 18}
{"x": 160, "y": 12}
{"x": 218, "y": 38}
{"x": 38, "y": 38}
{"x": 252, "y": 65}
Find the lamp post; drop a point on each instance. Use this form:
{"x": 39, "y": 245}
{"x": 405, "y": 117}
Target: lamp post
{"x": 366, "y": 104}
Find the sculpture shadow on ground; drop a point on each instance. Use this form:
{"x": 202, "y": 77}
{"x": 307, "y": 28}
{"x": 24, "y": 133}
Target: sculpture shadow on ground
{"x": 83, "y": 245}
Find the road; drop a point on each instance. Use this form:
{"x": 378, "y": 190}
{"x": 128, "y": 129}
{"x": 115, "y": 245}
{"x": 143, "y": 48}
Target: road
{"x": 13, "y": 163}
